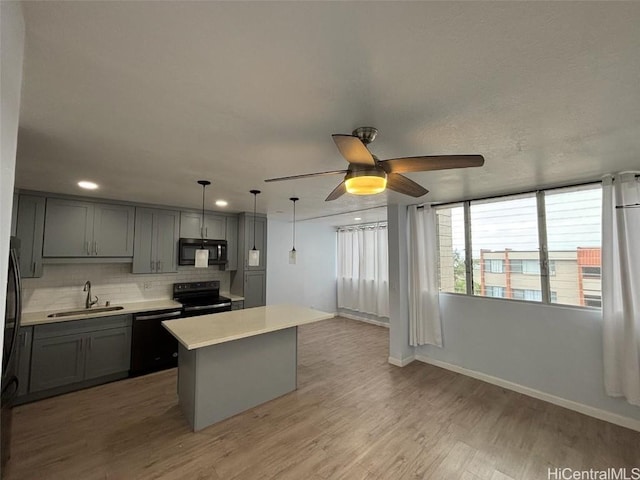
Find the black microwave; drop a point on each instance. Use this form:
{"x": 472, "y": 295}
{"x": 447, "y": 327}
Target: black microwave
{"x": 188, "y": 246}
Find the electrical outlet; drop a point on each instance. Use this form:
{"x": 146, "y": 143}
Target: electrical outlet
{"x": 147, "y": 285}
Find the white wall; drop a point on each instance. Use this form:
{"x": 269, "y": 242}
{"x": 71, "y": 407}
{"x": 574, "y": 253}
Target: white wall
{"x": 11, "y": 54}
{"x": 311, "y": 282}
{"x": 553, "y": 349}
{"x": 60, "y": 286}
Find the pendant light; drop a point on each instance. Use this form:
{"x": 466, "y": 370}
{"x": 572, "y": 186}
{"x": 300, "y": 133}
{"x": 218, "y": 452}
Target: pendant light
{"x": 202, "y": 254}
{"x": 254, "y": 253}
{"x": 293, "y": 253}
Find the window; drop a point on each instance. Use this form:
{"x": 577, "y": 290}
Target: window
{"x": 591, "y": 272}
{"x": 451, "y": 260}
{"x": 506, "y": 246}
{"x": 504, "y": 232}
{"x": 494, "y": 266}
{"x": 593, "y": 301}
{"x": 498, "y": 292}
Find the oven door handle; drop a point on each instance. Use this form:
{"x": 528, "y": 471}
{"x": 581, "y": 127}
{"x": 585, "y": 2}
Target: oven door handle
{"x": 203, "y": 307}
{"x": 158, "y": 316}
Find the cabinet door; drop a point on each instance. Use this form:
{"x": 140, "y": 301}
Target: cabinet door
{"x": 143, "y": 259}
{"x": 68, "y": 228}
{"x": 57, "y": 361}
{"x": 215, "y": 227}
{"x": 30, "y": 229}
{"x": 260, "y": 241}
{"x": 23, "y": 354}
{"x": 113, "y": 231}
{"x": 190, "y": 225}
{"x": 108, "y": 351}
{"x": 232, "y": 243}
{"x": 166, "y": 227}
{"x": 255, "y": 289}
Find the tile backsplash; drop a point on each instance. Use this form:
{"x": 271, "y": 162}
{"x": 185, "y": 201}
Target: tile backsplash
{"x": 60, "y": 286}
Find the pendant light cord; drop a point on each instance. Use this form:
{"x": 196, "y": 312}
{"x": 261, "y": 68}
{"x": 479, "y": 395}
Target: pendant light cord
{"x": 204, "y": 184}
{"x": 294, "y": 200}
{"x": 255, "y": 196}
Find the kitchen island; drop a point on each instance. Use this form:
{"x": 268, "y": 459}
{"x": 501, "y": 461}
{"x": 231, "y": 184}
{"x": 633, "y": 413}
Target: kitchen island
{"x": 232, "y": 361}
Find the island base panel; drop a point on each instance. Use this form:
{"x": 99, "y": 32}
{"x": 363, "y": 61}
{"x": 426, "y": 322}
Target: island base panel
{"x": 222, "y": 380}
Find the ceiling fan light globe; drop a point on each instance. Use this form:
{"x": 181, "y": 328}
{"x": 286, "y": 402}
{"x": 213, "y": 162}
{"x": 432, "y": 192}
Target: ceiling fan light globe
{"x": 368, "y": 183}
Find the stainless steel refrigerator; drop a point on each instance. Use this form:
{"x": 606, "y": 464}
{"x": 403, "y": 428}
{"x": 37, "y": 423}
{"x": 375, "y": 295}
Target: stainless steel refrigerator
{"x": 9, "y": 352}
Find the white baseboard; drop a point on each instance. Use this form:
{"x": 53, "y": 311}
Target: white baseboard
{"x": 363, "y": 319}
{"x": 598, "y": 413}
{"x": 401, "y": 362}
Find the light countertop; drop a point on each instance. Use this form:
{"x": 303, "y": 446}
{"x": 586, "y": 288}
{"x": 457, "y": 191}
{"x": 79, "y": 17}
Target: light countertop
{"x": 234, "y": 298}
{"x": 40, "y": 318}
{"x": 206, "y": 330}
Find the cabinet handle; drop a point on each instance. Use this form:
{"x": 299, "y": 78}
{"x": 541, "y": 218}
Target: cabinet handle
{"x": 34, "y": 268}
{"x": 23, "y": 339}
{"x": 159, "y": 266}
{"x": 151, "y": 265}
{"x": 95, "y": 247}
{"x": 86, "y": 246}
{"x": 206, "y": 232}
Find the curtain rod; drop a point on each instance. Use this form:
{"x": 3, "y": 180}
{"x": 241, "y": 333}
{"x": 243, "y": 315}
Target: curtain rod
{"x": 362, "y": 225}
{"x": 581, "y": 184}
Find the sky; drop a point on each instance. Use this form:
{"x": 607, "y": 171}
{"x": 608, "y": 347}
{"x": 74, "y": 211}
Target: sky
{"x": 573, "y": 220}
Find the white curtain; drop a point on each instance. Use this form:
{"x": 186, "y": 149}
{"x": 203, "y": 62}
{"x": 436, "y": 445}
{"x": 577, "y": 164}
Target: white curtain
{"x": 363, "y": 270}
{"x": 424, "y": 306}
{"x": 621, "y": 285}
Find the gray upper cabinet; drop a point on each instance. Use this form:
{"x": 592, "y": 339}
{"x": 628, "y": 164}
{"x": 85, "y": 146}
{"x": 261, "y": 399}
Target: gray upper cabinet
{"x": 156, "y": 241}
{"x": 232, "y": 243}
{"x": 214, "y": 226}
{"x": 30, "y": 230}
{"x": 84, "y": 229}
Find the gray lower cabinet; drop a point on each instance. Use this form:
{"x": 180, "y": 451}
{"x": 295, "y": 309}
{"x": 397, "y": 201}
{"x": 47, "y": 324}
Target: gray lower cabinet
{"x": 237, "y": 305}
{"x": 57, "y": 361}
{"x": 84, "y": 229}
{"x": 156, "y": 241}
{"x": 30, "y": 231}
{"x": 73, "y": 352}
{"x": 25, "y": 338}
{"x": 255, "y": 288}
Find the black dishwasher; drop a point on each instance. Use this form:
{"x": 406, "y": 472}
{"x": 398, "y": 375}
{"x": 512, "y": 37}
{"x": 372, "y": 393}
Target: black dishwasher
{"x": 153, "y": 348}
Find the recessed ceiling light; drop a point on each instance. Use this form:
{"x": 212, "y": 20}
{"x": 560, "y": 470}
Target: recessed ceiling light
{"x": 88, "y": 185}
{"x": 222, "y": 203}
{"x": 357, "y": 218}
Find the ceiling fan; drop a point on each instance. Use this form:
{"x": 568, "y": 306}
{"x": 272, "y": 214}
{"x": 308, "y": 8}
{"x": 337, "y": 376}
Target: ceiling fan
{"x": 367, "y": 174}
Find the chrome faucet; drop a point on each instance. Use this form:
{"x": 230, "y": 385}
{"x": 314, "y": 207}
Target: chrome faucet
{"x": 87, "y": 288}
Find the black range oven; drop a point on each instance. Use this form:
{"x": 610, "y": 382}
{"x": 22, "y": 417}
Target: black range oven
{"x": 153, "y": 348}
{"x": 200, "y": 298}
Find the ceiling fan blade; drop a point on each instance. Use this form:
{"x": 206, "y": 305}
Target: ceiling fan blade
{"x": 434, "y": 162}
{"x": 402, "y": 184}
{"x": 337, "y": 192}
{"x": 353, "y": 150}
{"x": 306, "y": 175}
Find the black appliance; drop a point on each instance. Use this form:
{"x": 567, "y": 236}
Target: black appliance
{"x": 188, "y": 246}
{"x": 13, "y": 312}
{"x": 200, "y": 298}
{"x": 153, "y": 348}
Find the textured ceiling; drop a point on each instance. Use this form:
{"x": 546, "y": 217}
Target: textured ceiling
{"x": 146, "y": 98}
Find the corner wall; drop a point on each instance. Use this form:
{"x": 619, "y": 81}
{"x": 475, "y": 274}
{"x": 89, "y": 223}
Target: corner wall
{"x": 311, "y": 282}
{"x": 556, "y": 350}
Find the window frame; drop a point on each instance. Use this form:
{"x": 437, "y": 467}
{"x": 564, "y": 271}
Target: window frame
{"x": 547, "y": 267}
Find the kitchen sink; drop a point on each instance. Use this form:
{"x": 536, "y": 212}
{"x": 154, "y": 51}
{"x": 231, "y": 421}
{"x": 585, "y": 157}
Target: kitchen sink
{"x": 84, "y": 311}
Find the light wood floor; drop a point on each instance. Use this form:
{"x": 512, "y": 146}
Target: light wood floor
{"x": 354, "y": 416}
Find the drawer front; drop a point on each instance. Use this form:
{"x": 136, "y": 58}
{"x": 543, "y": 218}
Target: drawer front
{"x": 73, "y": 327}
